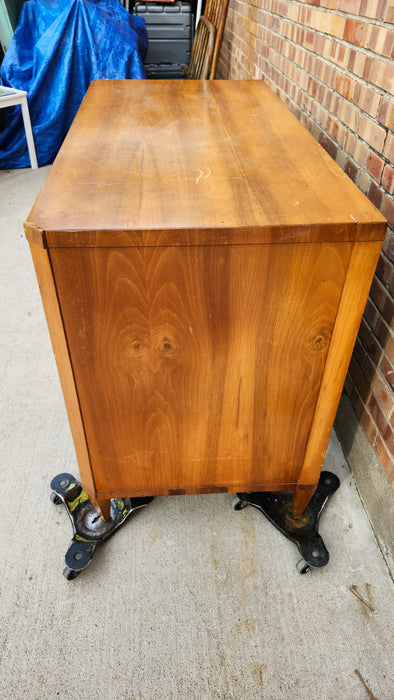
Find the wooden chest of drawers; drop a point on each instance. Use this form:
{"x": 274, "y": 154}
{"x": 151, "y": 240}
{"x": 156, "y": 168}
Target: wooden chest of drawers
{"x": 204, "y": 265}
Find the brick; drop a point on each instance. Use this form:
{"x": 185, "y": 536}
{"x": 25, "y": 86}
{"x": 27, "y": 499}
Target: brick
{"x": 365, "y": 363}
{"x": 375, "y": 165}
{"x": 356, "y": 149}
{"x": 379, "y": 418}
{"x": 388, "y": 438}
{"x": 371, "y": 343}
{"x": 357, "y": 62}
{"x": 372, "y": 133}
{"x": 345, "y": 85}
{"x": 389, "y": 148}
{"x": 388, "y": 371}
{"x": 357, "y": 402}
{"x": 388, "y": 178}
{"x": 386, "y": 113}
{"x": 389, "y": 16}
{"x": 360, "y": 352}
{"x": 355, "y": 31}
{"x": 384, "y": 269}
{"x": 351, "y": 169}
{"x": 368, "y": 367}
{"x": 367, "y": 99}
{"x": 375, "y": 195}
{"x": 373, "y": 8}
{"x": 328, "y": 145}
{"x": 328, "y": 4}
{"x": 380, "y": 40}
{"x": 380, "y": 73}
{"x": 384, "y": 337}
{"x": 383, "y": 455}
{"x": 369, "y": 426}
{"x": 341, "y": 159}
{"x": 331, "y": 102}
{"x": 388, "y": 209}
{"x": 359, "y": 380}
{"x": 326, "y": 74}
{"x": 371, "y": 313}
{"x": 334, "y": 51}
{"x": 350, "y": 6}
{"x": 348, "y": 385}
{"x": 363, "y": 181}
{"x": 383, "y": 300}
{"x": 331, "y": 24}
{"x": 388, "y": 246}
{"x": 383, "y": 394}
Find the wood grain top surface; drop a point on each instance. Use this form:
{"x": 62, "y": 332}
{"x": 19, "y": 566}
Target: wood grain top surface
{"x": 194, "y": 161}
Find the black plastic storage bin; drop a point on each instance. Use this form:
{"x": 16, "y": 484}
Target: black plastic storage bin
{"x": 170, "y": 32}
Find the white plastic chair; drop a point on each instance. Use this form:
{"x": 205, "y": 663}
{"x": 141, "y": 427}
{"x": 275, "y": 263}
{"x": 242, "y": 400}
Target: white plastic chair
{"x": 11, "y": 96}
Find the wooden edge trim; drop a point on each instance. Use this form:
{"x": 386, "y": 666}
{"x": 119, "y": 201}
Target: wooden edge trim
{"x": 195, "y": 490}
{"x": 34, "y": 235}
{"x": 363, "y": 261}
{"x": 54, "y": 319}
{"x": 337, "y": 233}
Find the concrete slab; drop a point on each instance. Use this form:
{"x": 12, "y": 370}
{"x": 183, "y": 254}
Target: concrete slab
{"x": 190, "y": 599}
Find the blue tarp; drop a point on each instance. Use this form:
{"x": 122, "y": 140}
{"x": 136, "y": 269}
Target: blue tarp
{"x": 58, "y": 48}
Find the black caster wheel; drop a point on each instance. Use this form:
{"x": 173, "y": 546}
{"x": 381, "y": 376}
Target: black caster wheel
{"x": 237, "y": 503}
{"x": 303, "y": 567}
{"x": 55, "y": 498}
{"x": 278, "y": 507}
{"x": 89, "y": 529}
{"x": 70, "y": 574}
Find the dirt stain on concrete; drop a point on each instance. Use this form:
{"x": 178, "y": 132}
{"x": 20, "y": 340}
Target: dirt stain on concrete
{"x": 368, "y": 691}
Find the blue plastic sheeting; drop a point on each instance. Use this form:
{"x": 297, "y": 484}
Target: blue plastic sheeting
{"x": 58, "y": 48}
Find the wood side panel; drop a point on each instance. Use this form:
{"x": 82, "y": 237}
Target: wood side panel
{"x": 359, "y": 278}
{"x": 50, "y": 302}
{"x": 198, "y": 368}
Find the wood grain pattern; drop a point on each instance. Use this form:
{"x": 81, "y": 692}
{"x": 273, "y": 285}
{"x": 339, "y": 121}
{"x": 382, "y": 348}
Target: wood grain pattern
{"x": 198, "y": 367}
{"x": 354, "y": 297}
{"x": 59, "y": 343}
{"x": 180, "y": 156}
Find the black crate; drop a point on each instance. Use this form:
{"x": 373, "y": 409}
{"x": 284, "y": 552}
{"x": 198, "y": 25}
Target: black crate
{"x": 170, "y": 31}
{"x": 164, "y": 71}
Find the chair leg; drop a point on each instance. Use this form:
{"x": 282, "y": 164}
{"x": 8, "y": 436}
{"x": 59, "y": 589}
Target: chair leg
{"x": 29, "y": 134}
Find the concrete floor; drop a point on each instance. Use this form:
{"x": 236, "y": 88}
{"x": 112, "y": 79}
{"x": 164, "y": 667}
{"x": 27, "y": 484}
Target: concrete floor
{"x": 190, "y": 600}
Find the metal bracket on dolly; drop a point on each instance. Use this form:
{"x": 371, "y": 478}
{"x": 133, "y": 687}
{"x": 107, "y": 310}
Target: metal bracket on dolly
{"x": 278, "y": 508}
{"x": 89, "y": 529}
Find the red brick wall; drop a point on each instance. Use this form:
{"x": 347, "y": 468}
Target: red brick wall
{"x": 331, "y": 62}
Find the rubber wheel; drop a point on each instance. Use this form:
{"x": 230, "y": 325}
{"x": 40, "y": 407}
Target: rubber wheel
{"x": 55, "y": 498}
{"x": 237, "y": 504}
{"x": 303, "y": 567}
{"x": 70, "y": 574}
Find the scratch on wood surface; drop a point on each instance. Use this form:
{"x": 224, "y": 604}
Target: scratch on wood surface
{"x": 94, "y": 162}
{"x": 203, "y": 174}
